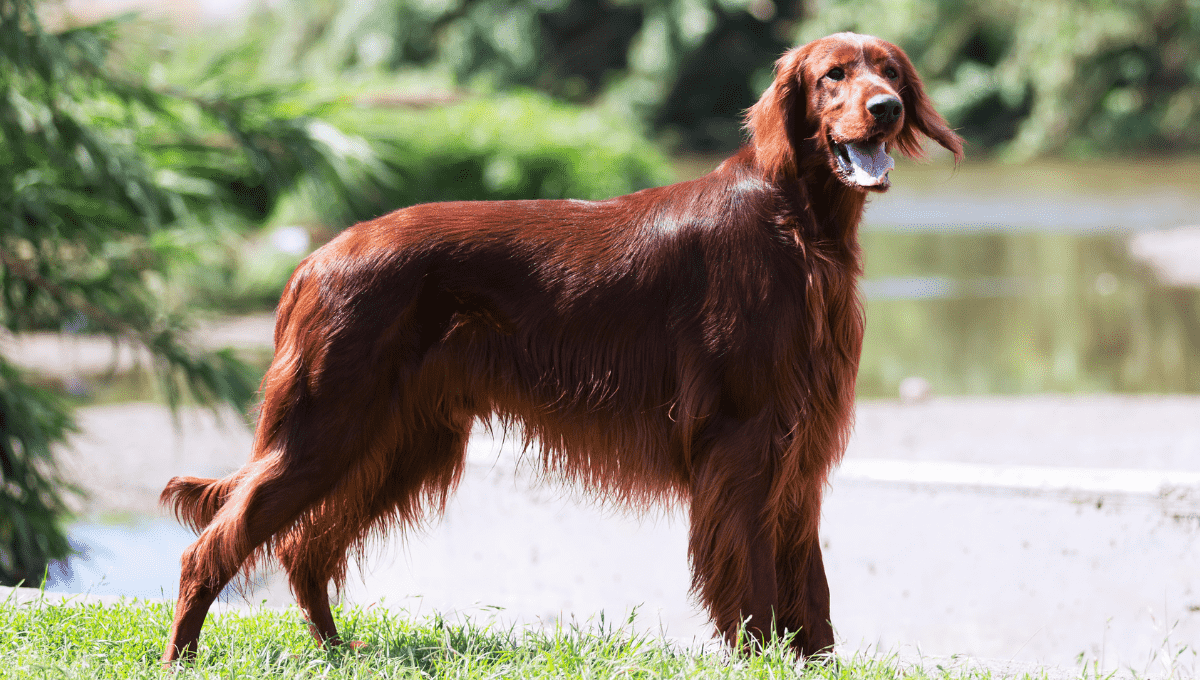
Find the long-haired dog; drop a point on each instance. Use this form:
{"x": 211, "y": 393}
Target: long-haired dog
{"x": 696, "y": 342}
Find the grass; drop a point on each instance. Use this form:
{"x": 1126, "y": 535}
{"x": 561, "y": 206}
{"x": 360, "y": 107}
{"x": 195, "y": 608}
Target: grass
{"x": 124, "y": 640}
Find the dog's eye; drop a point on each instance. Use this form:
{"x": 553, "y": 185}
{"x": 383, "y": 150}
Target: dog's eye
{"x": 891, "y": 73}
{"x": 835, "y": 73}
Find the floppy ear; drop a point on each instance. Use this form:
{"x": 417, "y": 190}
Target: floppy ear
{"x": 778, "y": 113}
{"x": 920, "y": 118}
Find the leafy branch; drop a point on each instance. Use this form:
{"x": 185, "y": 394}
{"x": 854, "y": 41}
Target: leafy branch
{"x": 99, "y": 172}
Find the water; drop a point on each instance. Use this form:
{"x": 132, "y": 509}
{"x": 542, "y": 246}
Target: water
{"x": 1023, "y": 312}
{"x": 135, "y": 559}
{"x": 1054, "y": 196}
{"x": 1018, "y": 280}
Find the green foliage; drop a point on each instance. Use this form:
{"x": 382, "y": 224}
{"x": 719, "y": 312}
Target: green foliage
{"x": 507, "y": 147}
{"x": 687, "y": 66}
{"x": 101, "y": 177}
{"x": 1020, "y": 77}
{"x": 32, "y": 496}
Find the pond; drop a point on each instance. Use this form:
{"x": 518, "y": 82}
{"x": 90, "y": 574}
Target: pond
{"x": 131, "y": 556}
{"x": 1015, "y": 280}
{"x": 136, "y": 558}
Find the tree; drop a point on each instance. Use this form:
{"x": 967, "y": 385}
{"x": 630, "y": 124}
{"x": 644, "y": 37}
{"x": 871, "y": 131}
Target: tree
{"x": 1019, "y": 77}
{"x": 103, "y": 179}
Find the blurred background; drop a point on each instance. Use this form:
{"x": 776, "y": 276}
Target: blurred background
{"x": 167, "y": 164}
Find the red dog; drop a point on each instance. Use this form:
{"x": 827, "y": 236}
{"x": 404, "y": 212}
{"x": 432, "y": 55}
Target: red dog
{"x": 697, "y": 341}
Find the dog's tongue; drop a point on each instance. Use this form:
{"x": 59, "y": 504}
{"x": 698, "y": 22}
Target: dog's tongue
{"x": 870, "y": 162}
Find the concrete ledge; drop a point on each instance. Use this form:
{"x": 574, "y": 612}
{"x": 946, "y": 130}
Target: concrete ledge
{"x": 1158, "y": 483}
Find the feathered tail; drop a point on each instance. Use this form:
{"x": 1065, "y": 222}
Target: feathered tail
{"x": 195, "y": 500}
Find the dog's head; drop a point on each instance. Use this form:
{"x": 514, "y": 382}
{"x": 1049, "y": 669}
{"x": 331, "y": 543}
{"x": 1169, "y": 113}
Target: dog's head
{"x": 848, "y": 99}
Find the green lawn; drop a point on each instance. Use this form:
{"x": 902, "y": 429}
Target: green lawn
{"x": 39, "y": 640}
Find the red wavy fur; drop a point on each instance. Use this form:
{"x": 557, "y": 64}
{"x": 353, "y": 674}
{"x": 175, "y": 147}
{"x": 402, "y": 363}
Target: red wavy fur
{"x": 697, "y": 342}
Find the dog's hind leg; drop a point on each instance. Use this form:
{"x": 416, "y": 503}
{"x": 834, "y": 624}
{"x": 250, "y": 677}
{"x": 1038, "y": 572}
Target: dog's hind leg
{"x": 423, "y": 469}
{"x": 268, "y": 498}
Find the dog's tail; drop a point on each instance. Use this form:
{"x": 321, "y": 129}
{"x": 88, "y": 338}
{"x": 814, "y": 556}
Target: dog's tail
{"x": 195, "y": 500}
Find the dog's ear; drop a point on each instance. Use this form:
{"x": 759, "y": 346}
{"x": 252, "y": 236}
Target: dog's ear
{"x": 920, "y": 118}
{"x": 781, "y": 109}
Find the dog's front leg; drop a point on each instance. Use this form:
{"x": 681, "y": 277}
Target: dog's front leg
{"x": 731, "y": 547}
{"x": 803, "y": 589}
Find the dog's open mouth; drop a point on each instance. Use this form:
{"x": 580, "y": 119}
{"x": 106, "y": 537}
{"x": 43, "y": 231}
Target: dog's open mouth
{"x": 865, "y": 164}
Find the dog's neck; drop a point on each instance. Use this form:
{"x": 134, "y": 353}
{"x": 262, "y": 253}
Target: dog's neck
{"x": 837, "y": 207}
{"x": 817, "y": 204}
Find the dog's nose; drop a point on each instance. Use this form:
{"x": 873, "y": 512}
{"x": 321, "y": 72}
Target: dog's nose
{"x": 885, "y": 107}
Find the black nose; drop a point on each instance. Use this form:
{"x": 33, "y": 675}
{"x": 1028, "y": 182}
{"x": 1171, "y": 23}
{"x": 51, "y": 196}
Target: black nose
{"x": 885, "y": 107}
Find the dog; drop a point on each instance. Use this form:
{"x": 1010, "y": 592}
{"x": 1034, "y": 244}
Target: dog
{"x": 695, "y": 343}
